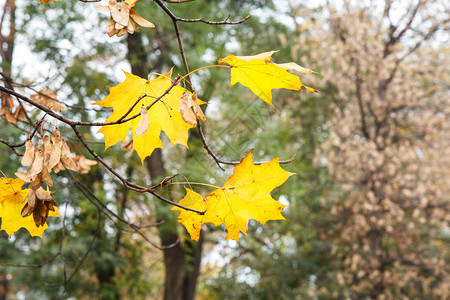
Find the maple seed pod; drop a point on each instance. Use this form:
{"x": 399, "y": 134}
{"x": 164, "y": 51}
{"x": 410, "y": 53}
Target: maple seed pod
{"x": 38, "y": 162}
{"x": 56, "y": 135}
{"x": 66, "y": 158}
{"x": 47, "y": 149}
{"x": 36, "y": 183}
{"x": 84, "y": 164}
{"x": 27, "y": 210}
{"x": 42, "y": 210}
{"x": 110, "y": 27}
{"x": 55, "y": 156}
{"x": 43, "y": 194}
{"x": 28, "y": 157}
{"x": 23, "y": 176}
{"x": 121, "y": 32}
{"x": 140, "y": 20}
{"x": 144, "y": 123}
{"x": 197, "y": 110}
{"x": 32, "y": 198}
{"x": 185, "y": 109}
{"x": 46, "y": 177}
{"x": 128, "y": 146}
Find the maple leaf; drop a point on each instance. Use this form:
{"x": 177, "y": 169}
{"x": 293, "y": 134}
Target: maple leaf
{"x": 11, "y": 205}
{"x": 261, "y": 75}
{"x": 244, "y": 196}
{"x": 164, "y": 115}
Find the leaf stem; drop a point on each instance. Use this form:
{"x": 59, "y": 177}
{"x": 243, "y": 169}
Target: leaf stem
{"x": 206, "y": 67}
{"x": 195, "y": 183}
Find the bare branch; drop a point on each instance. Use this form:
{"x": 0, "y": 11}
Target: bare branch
{"x": 232, "y": 163}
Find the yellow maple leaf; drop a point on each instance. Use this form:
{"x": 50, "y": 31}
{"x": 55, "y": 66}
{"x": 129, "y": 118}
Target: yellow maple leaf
{"x": 261, "y": 75}
{"x": 11, "y": 204}
{"x": 163, "y": 115}
{"x": 244, "y": 196}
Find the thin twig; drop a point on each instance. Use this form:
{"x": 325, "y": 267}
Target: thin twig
{"x": 232, "y": 163}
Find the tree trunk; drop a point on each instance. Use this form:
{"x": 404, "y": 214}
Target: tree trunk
{"x": 181, "y": 261}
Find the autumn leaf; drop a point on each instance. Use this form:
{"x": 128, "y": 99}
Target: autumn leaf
{"x": 11, "y": 204}
{"x": 261, "y": 75}
{"x": 244, "y": 196}
{"x": 164, "y": 115}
